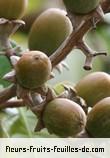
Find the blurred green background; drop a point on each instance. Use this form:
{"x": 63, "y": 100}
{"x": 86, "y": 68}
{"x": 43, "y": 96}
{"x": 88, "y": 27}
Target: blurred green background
{"x": 21, "y": 122}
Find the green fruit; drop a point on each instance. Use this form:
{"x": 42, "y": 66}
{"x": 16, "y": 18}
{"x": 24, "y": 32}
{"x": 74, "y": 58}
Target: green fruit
{"x": 12, "y": 9}
{"x": 33, "y": 69}
{"x": 64, "y": 117}
{"x": 94, "y": 87}
{"x": 49, "y": 30}
{"x": 81, "y": 6}
{"x": 98, "y": 120}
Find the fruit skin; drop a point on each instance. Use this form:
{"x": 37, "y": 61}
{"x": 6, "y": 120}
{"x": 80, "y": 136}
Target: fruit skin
{"x": 33, "y": 69}
{"x": 49, "y": 30}
{"x": 81, "y": 6}
{"x": 94, "y": 87}
{"x": 64, "y": 117}
{"x": 98, "y": 120}
{"x": 12, "y": 9}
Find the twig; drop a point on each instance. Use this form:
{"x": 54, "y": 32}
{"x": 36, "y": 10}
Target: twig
{"x": 89, "y": 53}
{"x": 12, "y": 104}
{"x": 7, "y": 93}
{"x": 76, "y": 36}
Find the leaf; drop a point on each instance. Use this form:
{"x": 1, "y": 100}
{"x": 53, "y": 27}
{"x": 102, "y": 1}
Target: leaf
{"x": 4, "y": 68}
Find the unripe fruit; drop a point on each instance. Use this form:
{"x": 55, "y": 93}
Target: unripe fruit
{"x": 94, "y": 87}
{"x": 98, "y": 120}
{"x": 81, "y": 6}
{"x": 12, "y": 9}
{"x": 64, "y": 117}
{"x": 33, "y": 69}
{"x": 49, "y": 30}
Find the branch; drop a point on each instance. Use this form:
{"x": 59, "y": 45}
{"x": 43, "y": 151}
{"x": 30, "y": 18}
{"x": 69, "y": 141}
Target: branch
{"x": 7, "y": 93}
{"x": 77, "y": 36}
{"x": 12, "y": 104}
{"x": 89, "y": 53}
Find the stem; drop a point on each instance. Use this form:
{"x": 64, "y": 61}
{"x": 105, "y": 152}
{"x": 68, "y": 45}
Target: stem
{"x": 77, "y": 35}
{"x": 7, "y": 28}
{"x": 83, "y": 134}
{"x": 89, "y": 53}
{"x": 7, "y": 93}
{"x": 12, "y": 104}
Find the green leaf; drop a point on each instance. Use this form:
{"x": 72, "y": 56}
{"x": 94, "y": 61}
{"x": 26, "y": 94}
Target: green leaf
{"x": 5, "y": 67}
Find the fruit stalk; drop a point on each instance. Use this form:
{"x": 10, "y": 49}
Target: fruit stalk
{"x": 12, "y": 104}
{"x": 7, "y": 28}
{"x": 7, "y": 93}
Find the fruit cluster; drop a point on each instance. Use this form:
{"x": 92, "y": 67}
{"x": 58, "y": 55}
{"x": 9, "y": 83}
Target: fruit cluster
{"x": 77, "y": 110}
{"x": 65, "y": 117}
{"x": 94, "y": 88}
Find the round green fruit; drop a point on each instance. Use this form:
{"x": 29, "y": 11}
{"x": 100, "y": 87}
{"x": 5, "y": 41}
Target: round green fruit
{"x": 98, "y": 120}
{"x": 64, "y": 117}
{"x": 49, "y": 30}
{"x": 12, "y": 9}
{"x": 94, "y": 87}
{"x": 33, "y": 69}
{"x": 81, "y": 6}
